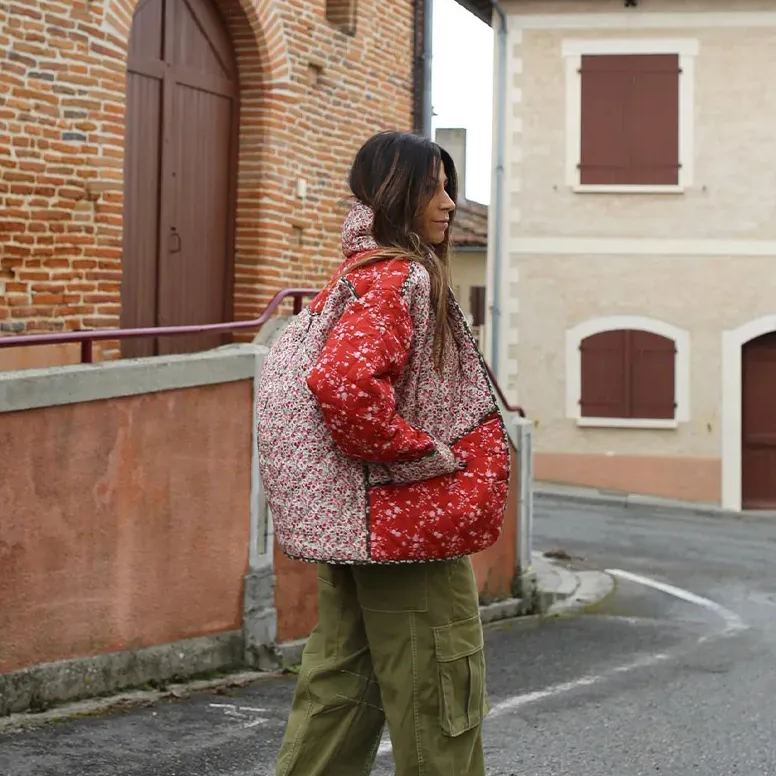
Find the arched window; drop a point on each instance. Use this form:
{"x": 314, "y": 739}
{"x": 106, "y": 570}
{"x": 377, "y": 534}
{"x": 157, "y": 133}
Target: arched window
{"x": 627, "y": 371}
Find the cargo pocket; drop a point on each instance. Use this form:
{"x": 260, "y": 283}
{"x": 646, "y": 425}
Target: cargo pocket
{"x": 461, "y": 668}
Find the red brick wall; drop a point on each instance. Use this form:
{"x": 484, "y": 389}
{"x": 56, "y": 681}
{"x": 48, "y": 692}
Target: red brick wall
{"x": 310, "y": 95}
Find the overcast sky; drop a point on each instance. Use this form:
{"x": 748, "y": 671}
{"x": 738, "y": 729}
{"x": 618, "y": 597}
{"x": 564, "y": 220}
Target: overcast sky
{"x": 462, "y": 87}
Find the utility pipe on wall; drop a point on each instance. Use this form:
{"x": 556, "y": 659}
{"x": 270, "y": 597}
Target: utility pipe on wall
{"x": 497, "y": 189}
{"x": 428, "y": 31}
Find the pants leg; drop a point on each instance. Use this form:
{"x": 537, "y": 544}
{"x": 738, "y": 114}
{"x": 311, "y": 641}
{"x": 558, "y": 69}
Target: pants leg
{"x": 425, "y": 636}
{"x": 337, "y": 717}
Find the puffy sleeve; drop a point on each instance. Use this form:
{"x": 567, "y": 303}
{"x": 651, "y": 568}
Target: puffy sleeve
{"x": 353, "y": 381}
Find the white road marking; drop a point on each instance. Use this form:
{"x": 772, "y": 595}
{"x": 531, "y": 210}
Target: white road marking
{"x": 732, "y": 621}
{"x": 238, "y": 712}
{"x": 510, "y": 704}
{"x": 253, "y": 723}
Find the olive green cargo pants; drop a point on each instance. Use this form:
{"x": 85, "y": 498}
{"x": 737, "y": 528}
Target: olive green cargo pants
{"x": 396, "y": 643}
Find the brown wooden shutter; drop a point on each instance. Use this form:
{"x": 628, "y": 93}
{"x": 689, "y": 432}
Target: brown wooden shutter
{"x": 605, "y": 89}
{"x": 630, "y": 119}
{"x": 652, "y": 368}
{"x": 604, "y": 376}
{"x": 477, "y": 305}
{"x": 654, "y": 120}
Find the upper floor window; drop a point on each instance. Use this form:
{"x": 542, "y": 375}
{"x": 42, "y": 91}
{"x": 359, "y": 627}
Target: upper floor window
{"x": 342, "y": 14}
{"x": 629, "y": 114}
{"x": 630, "y": 119}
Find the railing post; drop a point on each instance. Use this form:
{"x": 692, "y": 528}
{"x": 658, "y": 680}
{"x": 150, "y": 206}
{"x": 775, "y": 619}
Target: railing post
{"x": 259, "y": 610}
{"x": 524, "y": 435}
{"x": 525, "y": 577}
{"x": 297, "y": 304}
{"x": 86, "y": 351}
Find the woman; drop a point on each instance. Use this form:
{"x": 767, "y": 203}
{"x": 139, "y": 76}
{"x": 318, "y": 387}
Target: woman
{"x": 382, "y": 449}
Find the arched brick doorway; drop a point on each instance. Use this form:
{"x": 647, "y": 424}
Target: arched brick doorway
{"x": 179, "y": 173}
{"x": 758, "y": 423}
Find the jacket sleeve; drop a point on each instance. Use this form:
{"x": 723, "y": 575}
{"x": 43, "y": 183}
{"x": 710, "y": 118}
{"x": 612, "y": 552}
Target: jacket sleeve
{"x": 353, "y": 381}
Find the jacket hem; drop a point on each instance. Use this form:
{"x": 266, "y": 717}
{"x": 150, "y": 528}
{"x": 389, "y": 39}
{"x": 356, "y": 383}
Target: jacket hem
{"x": 339, "y": 562}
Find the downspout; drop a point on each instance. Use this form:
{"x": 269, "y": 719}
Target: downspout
{"x": 428, "y": 31}
{"x": 497, "y": 204}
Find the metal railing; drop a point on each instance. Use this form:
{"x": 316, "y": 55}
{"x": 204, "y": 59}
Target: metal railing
{"x": 88, "y": 338}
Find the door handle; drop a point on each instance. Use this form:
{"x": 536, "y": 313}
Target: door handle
{"x": 174, "y": 243}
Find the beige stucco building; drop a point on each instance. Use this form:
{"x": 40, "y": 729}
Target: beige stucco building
{"x": 469, "y": 254}
{"x": 637, "y": 289}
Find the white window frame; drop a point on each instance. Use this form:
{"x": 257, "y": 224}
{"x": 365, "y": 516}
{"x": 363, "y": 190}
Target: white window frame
{"x": 733, "y": 342}
{"x": 573, "y": 50}
{"x": 580, "y": 332}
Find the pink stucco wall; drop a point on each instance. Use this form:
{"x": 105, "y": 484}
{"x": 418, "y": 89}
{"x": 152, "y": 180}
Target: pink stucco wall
{"x": 672, "y": 477}
{"x": 123, "y": 523}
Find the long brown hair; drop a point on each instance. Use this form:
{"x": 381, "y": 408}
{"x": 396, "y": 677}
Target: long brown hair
{"x": 396, "y": 174}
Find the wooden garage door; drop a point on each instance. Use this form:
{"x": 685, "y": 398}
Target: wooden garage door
{"x": 759, "y": 423}
{"x": 179, "y": 173}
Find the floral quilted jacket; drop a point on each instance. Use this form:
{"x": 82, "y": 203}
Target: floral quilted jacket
{"x": 367, "y": 453}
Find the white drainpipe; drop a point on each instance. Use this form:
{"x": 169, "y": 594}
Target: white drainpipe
{"x": 497, "y": 203}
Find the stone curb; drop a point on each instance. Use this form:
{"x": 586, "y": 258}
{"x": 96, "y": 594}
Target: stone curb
{"x": 547, "y": 494}
{"x": 129, "y": 699}
{"x": 568, "y": 591}
{"x": 593, "y": 587}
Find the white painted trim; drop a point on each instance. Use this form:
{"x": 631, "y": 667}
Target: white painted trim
{"x": 572, "y": 51}
{"x": 733, "y": 342}
{"x": 626, "y": 423}
{"x": 599, "y": 188}
{"x": 572, "y": 65}
{"x": 574, "y": 337}
{"x": 640, "y": 246}
{"x": 635, "y": 19}
{"x": 682, "y": 46}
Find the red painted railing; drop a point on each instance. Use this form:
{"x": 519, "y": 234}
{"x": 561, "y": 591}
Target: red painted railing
{"x": 87, "y": 338}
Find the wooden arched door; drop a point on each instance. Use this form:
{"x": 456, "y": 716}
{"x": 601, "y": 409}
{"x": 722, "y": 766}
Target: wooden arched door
{"x": 179, "y": 190}
{"x": 758, "y": 441}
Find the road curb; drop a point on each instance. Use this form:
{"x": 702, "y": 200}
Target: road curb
{"x": 27, "y": 720}
{"x": 564, "y": 591}
{"x": 548, "y": 495}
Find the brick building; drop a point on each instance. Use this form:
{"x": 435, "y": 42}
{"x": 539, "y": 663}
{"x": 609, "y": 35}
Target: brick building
{"x": 178, "y": 161}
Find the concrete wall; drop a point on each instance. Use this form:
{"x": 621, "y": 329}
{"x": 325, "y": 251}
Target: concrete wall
{"x": 124, "y": 520}
{"x": 135, "y": 543}
{"x": 700, "y": 260}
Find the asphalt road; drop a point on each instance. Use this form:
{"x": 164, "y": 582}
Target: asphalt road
{"x": 655, "y": 681}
